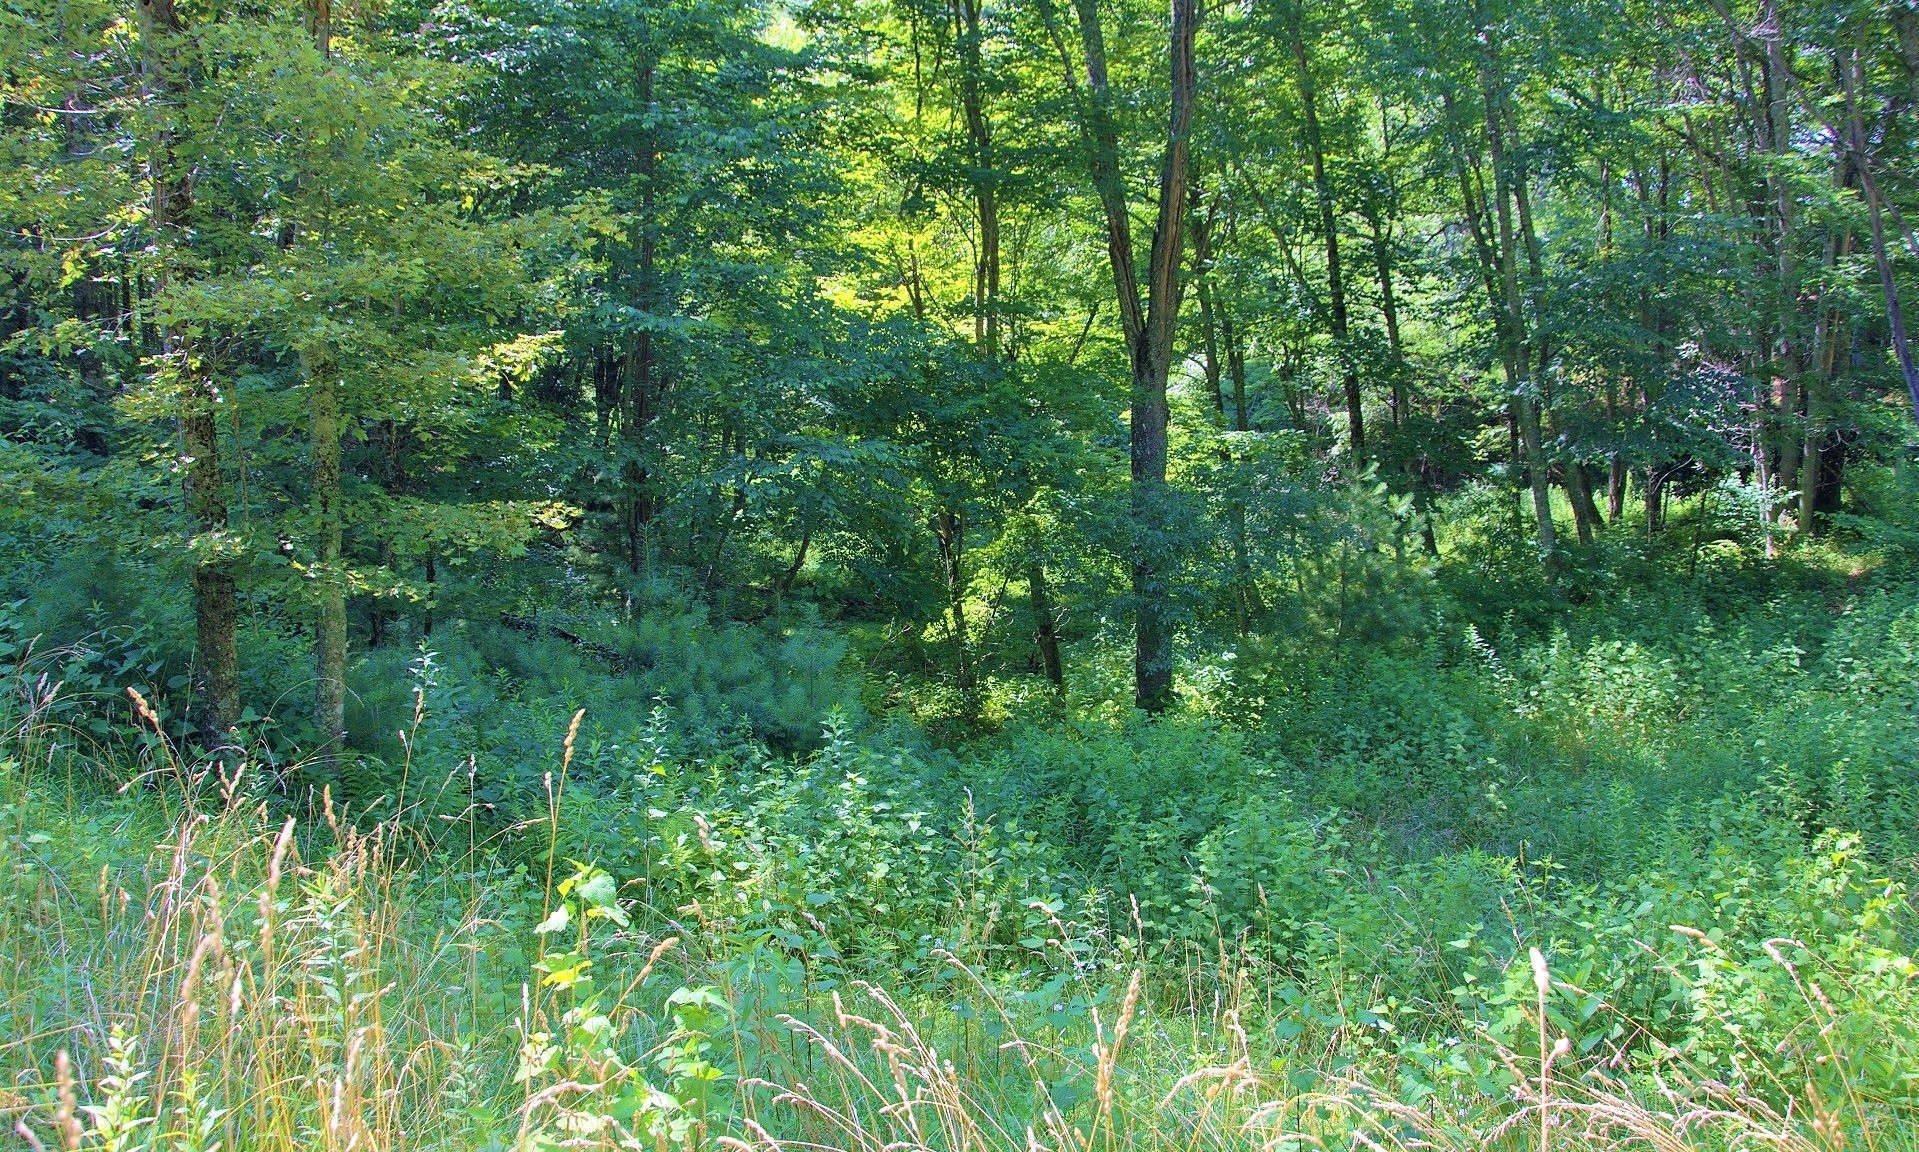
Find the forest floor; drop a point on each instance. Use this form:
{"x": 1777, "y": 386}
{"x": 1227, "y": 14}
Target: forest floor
{"x": 1633, "y": 875}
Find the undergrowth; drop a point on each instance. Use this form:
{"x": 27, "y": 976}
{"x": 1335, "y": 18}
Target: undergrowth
{"x": 1514, "y": 887}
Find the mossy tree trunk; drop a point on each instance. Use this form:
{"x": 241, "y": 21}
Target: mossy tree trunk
{"x": 215, "y": 611}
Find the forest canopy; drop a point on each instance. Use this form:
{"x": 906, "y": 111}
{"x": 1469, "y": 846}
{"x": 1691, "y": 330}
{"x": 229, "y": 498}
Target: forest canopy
{"x": 876, "y": 305}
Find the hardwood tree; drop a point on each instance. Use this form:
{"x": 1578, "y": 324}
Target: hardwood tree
{"x": 1147, "y": 318}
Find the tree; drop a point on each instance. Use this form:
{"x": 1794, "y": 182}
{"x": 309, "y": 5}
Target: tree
{"x": 166, "y": 72}
{"x": 359, "y": 274}
{"x": 1148, "y": 325}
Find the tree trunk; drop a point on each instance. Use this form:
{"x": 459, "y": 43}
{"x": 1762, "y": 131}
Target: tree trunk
{"x": 1906, "y": 23}
{"x": 986, "y": 272}
{"x": 1329, "y": 230}
{"x": 1148, "y": 328}
{"x": 1537, "y": 475}
{"x": 1235, "y": 349}
{"x": 1789, "y": 365}
{"x": 947, "y": 529}
{"x": 389, "y": 439}
{"x": 1208, "y": 320}
{"x": 1579, "y": 494}
{"x": 1895, "y": 314}
{"x": 641, "y": 385}
{"x": 1236, "y": 368}
{"x": 1246, "y": 593}
{"x": 1824, "y": 459}
{"x": 320, "y": 14}
{"x": 432, "y": 590}
{"x": 215, "y": 608}
{"x": 1045, "y": 625}
{"x": 329, "y": 697}
{"x": 1216, "y": 329}
{"x": 323, "y": 462}
{"x": 792, "y": 572}
{"x": 1389, "y": 313}
{"x": 986, "y": 288}
{"x": 1525, "y": 401}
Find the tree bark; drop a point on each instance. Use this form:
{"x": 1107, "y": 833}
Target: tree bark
{"x": 215, "y": 608}
{"x": 1906, "y": 24}
{"x": 323, "y": 464}
{"x": 1525, "y": 401}
{"x": 792, "y": 573}
{"x": 1579, "y": 494}
{"x": 641, "y": 406}
{"x": 968, "y": 45}
{"x": 1148, "y": 325}
{"x": 329, "y": 697}
{"x": 1208, "y": 320}
{"x": 432, "y": 590}
{"x": 947, "y": 529}
{"x": 986, "y": 272}
{"x": 1045, "y": 625}
{"x": 1389, "y": 313}
{"x": 1329, "y": 231}
{"x": 1788, "y": 361}
{"x": 1822, "y": 460}
{"x": 1217, "y": 330}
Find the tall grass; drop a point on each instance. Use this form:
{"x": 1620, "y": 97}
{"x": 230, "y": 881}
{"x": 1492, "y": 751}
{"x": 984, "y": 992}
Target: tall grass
{"x": 192, "y": 965}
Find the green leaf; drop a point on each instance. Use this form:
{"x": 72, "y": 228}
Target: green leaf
{"x": 598, "y": 890}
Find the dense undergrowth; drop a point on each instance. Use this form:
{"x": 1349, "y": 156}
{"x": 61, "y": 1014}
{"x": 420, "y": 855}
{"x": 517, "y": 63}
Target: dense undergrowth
{"x": 1514, "y": 874}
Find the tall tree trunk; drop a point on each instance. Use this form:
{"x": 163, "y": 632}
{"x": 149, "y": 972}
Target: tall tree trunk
{"x": 1216, "y": 329}
{"x": 1382, "y": 223}
{"x": 1148, "y": 326}
{"x": 320, "y": 19}
{"x": 986, "y": 271}
{"x": 791, "y": 574}
{"x": 215, "y": 602}
{"x": 329, "y": 698}
{"x": 1388, "y": 302}
{"x": 947, "y": 529}
{"x": 1536, "y": 473}
{"x": 323, "y": 461}
{"x": 1329, "y": 231}
{"x": 986, "y": 289}
{"x": 1208, "y": 320}
{"x": 1389, "y": 313}
{"x": 1525, "y": 401}
{"x": 1045, "y": 625}
{"x": 1488, "y": 217}
{"x": 1823, "y": 460}
{"x": 1906, "y": 23}
{"x": 215, "y": 608}
{"x": 1789, "y": 366}
{"x": 389, "y": 439}
{"x": 641, "y": 386}
{"x": 1247, "y": 592}
{"x": 1579, "y": 493}
{"x": 1235, "y": 347}
{"x": 432, "y": 591}
{"x": 1895, "y": 314}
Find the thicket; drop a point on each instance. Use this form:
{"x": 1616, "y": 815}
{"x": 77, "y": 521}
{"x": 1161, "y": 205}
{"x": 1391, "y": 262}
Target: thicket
{"x": 1303, "y": 911}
